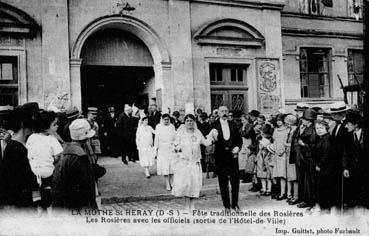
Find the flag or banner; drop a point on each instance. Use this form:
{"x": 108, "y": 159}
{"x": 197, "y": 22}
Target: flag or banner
{"x": 327, "y": 3}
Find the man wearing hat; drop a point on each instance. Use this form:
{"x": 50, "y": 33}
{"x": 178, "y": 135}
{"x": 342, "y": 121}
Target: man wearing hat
{"x": 339, "y": 137}
{"x": 70, "y": 115}
{"x": 110, "y": 122}
{"x": 126, "y": 127}
{"x": 302, "y": 143}
{"x": 95, "y": 141}
{"x": 355, "y": 162}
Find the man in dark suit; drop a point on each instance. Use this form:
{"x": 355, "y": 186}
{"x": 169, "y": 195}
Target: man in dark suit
{"x": 227, "y": 146}
{"x": 127, "y": 126}
{"x": 339, "y": 138}
{"x": 155, "y": 116}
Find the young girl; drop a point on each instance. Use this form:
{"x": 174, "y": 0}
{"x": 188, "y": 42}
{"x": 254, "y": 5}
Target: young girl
{"x": 43, "y": 150}
{"x": 291, "y": 122}
{"x": 263, "y": 160}
{"x": 144, "y": 142}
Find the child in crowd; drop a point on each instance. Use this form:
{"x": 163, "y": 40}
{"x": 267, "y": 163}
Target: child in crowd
{"x": 43, "y": 150}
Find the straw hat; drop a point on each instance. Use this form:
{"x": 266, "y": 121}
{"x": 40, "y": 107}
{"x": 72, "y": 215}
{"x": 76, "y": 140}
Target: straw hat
{"x": 301, "y": 107}
{"x": 338, "y": 107}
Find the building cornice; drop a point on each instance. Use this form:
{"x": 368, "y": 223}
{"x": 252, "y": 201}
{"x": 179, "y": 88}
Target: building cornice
{"x": 319, "y": 17}
{"x": 320, "y": 33}
{"x": 258, "y": 4}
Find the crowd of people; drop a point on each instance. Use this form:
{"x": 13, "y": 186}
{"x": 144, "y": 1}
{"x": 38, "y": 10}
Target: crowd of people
{"x": 313, "y": 158}
{"x": 48, "y": 162}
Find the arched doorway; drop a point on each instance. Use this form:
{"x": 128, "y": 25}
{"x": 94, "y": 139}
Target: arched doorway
{"x": 141, "y": 34}
{"x": 117, "y": 69}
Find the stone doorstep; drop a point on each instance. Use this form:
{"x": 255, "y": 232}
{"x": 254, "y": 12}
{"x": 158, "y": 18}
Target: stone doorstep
{"x": 207, "y": 190}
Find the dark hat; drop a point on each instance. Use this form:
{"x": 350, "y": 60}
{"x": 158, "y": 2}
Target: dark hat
{"x": 72, "y": 113}
{"x": 318, "y": 110}
{"x": 31, "y": 106}
{"x": 254, "y": 113}
{"x": 309, "y": 114}
{"x": 353, "y": 117}
{"x": 267, "y": 130}
{"x": 301, "y": 107}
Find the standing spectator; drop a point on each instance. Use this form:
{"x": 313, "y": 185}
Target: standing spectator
{"x": 216, "y": 114}
{"x": 154, "y": 116}
{"x": 126, "y": 127}
{"x": 339, "y": 138}
{"x": 227, "y": 146}
{"x": 95, "y": 140}
{"x": 355, "y": 162}
{"x": 177, "y": 122}
{"x": 204, "y": 127}
{"x": 73, "y": 179}
{"x": 144, "y": 142}
{"x": 43, "y": 151}
{"x": 296, "y": 153}
{"x": 164, "y": 146}
{"x": 306, "y": 143}
{"x": 187, "y": 180}
{"x": 291, "y": 122}
{"x": 17, "y": 180}
{"x": 111, "y": 120}
{"x": 264, "y": 161}
{"x": 211, "y": 119}
{"x": 249, "y": 139}
{"x": 253, "y": 115}
{"x": 4, "y": 133}
{"x": 246, "y": 162}
{"x": 323, "y": 167}
{"x": 63, "y": 131}
{"x": 279, "y": 168}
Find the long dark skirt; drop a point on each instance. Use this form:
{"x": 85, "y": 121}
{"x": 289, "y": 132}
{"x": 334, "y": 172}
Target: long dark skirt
{"x": 310, "y": 180}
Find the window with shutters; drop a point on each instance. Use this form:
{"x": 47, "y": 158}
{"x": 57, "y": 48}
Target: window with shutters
{"x": 8, "y": 80}
{"x": 315, "y": 72}
{"x": 355, "y": 66}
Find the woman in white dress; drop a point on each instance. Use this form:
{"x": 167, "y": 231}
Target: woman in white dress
{"x": 144, "y": 142}
{"x": 188, "y": 172}
{"x": 164, "y": 145}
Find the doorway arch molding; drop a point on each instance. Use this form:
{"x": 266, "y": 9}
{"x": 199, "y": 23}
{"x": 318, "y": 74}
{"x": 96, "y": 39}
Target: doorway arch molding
{"x": 156, "y": 46}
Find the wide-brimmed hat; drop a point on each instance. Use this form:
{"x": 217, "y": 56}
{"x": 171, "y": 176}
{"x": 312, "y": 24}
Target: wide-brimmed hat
{"x": 301, "y": 106}
{"x": 338, "y": 107}
{"x": 254, "y": 113}
{"x": 327, "y": 114}
{"x": 309, "y": 114}
{"x": 80, "y": 129}
{"x": 353, "y": 117}
{"x": 72, "y": 113}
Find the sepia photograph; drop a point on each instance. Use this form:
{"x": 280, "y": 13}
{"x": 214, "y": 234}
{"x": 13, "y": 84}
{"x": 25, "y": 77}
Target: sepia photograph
{"x": 184, "y": 117}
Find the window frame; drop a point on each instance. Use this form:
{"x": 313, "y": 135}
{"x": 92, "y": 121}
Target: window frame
{"x": 304, "y": 86}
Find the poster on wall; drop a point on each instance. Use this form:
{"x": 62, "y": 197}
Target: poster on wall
{"x": 268, "y": 85}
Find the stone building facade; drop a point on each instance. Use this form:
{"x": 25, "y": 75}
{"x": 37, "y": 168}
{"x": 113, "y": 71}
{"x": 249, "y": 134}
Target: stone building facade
{"x": 245, "y": 54}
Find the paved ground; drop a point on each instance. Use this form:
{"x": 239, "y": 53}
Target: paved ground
{"x": 127, "y": 183}
{"x": 125, "y": 186}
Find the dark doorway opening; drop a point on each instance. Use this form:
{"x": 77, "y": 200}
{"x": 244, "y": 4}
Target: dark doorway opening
{"x": 107, "y": 86}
